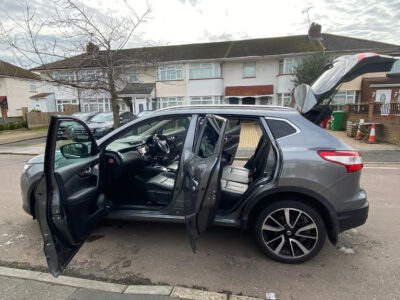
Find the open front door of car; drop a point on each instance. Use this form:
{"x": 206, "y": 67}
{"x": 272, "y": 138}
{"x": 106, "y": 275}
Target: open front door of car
{"x": 69, "y": 200}
{"x": 202, "y": 173}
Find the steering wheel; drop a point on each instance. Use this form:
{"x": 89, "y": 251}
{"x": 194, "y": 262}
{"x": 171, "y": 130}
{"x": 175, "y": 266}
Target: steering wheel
{"x": 162, "y": 143}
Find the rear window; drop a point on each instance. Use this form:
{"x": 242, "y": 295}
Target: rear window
{"x": 280, "y": 128}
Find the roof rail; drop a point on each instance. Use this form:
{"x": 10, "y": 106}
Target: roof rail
{"x": 227, "y": 106}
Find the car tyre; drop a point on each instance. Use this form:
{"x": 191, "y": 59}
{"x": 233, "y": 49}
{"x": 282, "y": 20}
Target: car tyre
{"x": 290, "y": 231}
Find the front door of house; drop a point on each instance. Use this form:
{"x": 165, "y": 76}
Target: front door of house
{"x": 140, "y": 105}
{"x": 383, "y": 97}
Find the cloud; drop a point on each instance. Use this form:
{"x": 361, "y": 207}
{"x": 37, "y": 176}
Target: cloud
{"x": 193, "y": 2}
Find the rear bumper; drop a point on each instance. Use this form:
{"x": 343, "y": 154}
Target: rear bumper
{"x": 353, "y": 218}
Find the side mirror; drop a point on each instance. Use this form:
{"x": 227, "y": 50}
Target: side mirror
{"x": 75, "y": 150}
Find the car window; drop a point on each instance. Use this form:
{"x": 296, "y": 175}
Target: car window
{"x": 73, "y": 144}
{"x": 140, "y": 133}
{"x": 102, "y": 117}
{"x": 174, "y": 126}
{"x": 280, "y": 128}
{"x": 208, "y": 141}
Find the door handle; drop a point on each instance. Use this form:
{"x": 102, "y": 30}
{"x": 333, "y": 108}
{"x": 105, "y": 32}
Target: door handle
{"x": 195, "y": 183}
{"x": 85, "y": 172}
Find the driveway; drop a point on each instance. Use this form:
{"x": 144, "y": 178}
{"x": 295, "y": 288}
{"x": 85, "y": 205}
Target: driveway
{"x": 364, "y": 265}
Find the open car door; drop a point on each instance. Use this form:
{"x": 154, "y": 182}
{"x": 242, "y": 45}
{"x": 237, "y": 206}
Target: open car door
{"x": 69, "y": 200}
{"x": 201, "y": 160}
{"x": 345, "y": 68}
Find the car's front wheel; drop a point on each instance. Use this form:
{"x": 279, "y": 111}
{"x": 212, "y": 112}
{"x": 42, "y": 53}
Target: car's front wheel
{"x": 290, "y": 231}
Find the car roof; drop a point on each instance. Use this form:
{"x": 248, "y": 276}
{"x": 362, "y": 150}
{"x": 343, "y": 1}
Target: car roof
{"x": 250, "y": 110}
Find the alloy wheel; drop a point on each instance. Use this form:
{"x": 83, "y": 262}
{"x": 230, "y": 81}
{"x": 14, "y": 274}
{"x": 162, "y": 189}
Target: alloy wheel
{"x": 289, "y": 233}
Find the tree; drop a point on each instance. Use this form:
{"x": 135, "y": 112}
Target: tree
{"x": 310, "y": 68}
{"x": 81, "y": 37}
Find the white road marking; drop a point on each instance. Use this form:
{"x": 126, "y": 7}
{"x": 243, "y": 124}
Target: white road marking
{"x": 382, "y": 168}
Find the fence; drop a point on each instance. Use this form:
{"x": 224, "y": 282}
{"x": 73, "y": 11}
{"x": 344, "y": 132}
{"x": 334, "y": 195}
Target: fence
{"x": 358, "y": 108}
{"x": 6, "y": 120}
{"x": 42, "y": 119}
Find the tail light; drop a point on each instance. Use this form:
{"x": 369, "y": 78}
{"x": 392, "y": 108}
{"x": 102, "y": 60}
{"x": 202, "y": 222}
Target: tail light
{"x": 350, "y": 159}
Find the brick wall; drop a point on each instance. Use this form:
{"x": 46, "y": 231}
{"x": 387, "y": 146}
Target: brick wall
{"x": 387, "y": 131}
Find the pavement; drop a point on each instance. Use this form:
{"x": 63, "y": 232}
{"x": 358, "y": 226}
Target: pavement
{"x": 364, "y": 265}
{"x": 18, "y": 135}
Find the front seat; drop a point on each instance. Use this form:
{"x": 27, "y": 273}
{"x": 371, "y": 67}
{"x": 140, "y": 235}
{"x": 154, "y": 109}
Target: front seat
{"x": 160, "y": 188}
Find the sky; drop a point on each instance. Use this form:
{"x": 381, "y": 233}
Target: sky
{"x": 192, "y": 21}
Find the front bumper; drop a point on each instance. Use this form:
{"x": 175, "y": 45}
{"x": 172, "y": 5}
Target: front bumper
{"x": 353, "y": 218}
{"x": 24, "y": 183}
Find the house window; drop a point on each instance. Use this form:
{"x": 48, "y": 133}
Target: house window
{"x": 169, "y": 101}
{"x": 61, "y": 103}
{"x": 64, "y": 76}
{"x": 284, "y": 99}
{"x": 32, "y": 86}
{"x": 133, "y": 76}
{"x": 205, "y": 100}
{"x": 204, "y": 71}
{"x": 172, "y": 72}
{"x": 288, "y": 65}
{"x": 96, "y": 105}
{"x": 249, "y": 69}
{"x": 90, "y": 75}
{"x": 344, "y": 97}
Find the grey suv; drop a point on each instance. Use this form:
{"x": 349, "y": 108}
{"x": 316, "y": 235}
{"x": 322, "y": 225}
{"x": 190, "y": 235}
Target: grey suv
{"x": 182, "y": 164}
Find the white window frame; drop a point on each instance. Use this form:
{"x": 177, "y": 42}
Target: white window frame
{"x": 96, "y": 105}
{"x": 287, "y": 65}
{"x": 133, "y": 76}
{"x": 344, "y": 97}
{"x": 284, "y": 99}
{"x": 169, "y": 73}
{"x": 204, "y": 71}
{"x": 163, "y": 102}
{"x": 205, "y": 100}
{"x": 32, "y": 86}
{"x": 251, "y": 69}
{"x": 60, "y": 103}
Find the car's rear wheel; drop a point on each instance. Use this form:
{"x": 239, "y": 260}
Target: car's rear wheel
{"x": 290, "y": 231}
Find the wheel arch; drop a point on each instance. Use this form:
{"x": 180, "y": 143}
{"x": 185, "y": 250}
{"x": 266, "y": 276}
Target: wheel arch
{"x": 316, "y": 201}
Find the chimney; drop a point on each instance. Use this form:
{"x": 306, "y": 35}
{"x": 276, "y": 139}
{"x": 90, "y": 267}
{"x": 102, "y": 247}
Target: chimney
{"x": 91, "y": 48}
{"x": 314, "y": 32}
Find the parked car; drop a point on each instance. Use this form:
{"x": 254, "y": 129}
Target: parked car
{"x": 84, "y": 116}
{"x": 102, "y": 123}
{"x": 300, "y": 186}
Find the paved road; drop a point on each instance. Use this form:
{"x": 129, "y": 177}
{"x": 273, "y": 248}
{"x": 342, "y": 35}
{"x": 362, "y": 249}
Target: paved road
{"x": 364, "y": 265}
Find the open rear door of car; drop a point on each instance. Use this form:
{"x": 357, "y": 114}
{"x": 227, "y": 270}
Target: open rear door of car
{"x": 308, "y": 100}
{"x": 69, "y": 200}
{"x": 201, "y": 173}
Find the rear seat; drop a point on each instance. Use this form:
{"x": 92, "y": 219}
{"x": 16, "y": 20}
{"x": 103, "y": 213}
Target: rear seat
{"x": 237, "y": 174}
{"x": 234, "y": 182}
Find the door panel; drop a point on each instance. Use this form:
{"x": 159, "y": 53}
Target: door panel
{"x": 201, "y": 173}
{"x": 69, "y": 201}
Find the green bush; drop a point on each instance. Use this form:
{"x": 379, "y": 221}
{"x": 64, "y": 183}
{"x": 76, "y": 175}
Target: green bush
{"x": 35, "y": 110}
{"x": 24, "y": 124}
{"x": 2, "y": 126}
{"x": 11, "y": 125}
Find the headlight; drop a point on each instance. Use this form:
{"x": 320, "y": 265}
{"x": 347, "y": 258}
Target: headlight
{"x": 26, "y": 167}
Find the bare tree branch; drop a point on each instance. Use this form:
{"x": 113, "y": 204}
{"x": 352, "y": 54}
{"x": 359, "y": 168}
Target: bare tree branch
{"x": 82, "y": 38}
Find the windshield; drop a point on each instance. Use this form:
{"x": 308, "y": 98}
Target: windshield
{"x": 332, "y": 76}
{"x": 82, "y": 116}
{"x": 102, "y": 117}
